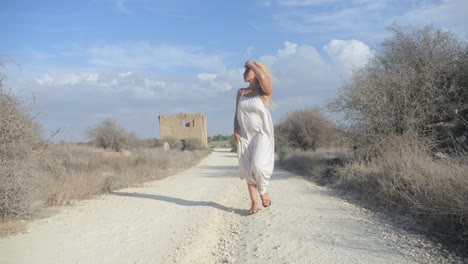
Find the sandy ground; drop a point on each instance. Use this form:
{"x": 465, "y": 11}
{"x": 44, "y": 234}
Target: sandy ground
{"x": 201, "y": 216}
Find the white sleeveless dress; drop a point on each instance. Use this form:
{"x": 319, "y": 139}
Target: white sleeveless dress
{"x": 256, "y": 149}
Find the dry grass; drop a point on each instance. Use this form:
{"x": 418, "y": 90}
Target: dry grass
{"x": 61, "y": 173}
{"x": 405, "y": 176}
{"x": 68, "y": 172}
{"x": 317, "y": 166}
{"x": 11, "y": 228}
{"x": 220, "y": 144}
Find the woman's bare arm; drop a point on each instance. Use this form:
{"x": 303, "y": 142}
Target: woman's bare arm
{"x": 264, "y": 82}
{"x": 236, "y": 123}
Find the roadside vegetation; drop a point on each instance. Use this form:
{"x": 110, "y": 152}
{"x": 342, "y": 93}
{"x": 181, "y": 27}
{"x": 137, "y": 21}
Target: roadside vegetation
{"x": 399, "y": 135}
{"x": 219, "y": 141}
{"x": 36, "y": 174}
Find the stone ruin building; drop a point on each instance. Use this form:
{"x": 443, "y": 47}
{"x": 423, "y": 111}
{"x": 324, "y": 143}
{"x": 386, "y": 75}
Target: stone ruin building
{"x": 184, "y": 126}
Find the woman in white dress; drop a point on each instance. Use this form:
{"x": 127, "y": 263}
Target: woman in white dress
{"x": 253, "y": 132}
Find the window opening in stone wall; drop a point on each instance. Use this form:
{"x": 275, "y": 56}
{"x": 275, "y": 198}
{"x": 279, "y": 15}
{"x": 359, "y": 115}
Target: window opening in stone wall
{"x": 185, "y": 123}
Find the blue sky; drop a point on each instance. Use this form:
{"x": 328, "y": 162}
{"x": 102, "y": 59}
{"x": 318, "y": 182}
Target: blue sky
{"x": 132, "y": 60}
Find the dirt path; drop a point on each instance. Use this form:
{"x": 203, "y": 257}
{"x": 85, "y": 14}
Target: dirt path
{"x": 200, "y": 216}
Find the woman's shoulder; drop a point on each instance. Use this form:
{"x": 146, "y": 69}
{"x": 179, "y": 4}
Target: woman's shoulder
{"x": 241, "y": 91}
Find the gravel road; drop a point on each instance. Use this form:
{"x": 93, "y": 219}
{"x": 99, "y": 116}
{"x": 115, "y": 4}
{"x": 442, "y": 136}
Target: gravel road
{"x": 201, "y": 216}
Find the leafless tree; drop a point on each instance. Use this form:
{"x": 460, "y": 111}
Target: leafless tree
{"x": 306, "y": 129}
{"x": 109, "y": 135}
{"x": 417, "y": 79}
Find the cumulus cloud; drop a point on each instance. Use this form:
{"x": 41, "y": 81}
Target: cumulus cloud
{"x": 299, "y": 69}
{"x": 305, "y": 77}
{"x": 210, "y": 84}
{"x": 348, "y": 54}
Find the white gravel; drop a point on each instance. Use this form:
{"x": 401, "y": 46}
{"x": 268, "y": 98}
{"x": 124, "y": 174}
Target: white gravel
{"x": 201, "y": 216}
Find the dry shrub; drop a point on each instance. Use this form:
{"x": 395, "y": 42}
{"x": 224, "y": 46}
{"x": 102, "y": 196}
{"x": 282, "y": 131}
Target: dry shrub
{"x": 174, "y": 143}
{"x": 18, "y": 135}
{"x": 192, "y": 144}
{"x": 418, "y": 78}
{"x": 144, "y": 143}
{"x": 110, "y": 135}
{"x": 390, "y": 108}
{"x": 318, "y": 166}
{"x": 306, "y": 129}
{"x": 405, "y": 176}
{"x": 17, "y": 193}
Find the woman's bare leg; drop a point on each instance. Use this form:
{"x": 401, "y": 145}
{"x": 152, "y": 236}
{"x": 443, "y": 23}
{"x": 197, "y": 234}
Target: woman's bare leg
{"x": 253, "y": 197}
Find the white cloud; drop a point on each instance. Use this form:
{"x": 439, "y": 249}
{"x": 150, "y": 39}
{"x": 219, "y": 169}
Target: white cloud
{"x": 46, "y": 79}
{"x": 303, "y": 77}
{"x": 344, "y": 19}
{"x": 124, "y": 74}
{"x": 366, "y": 19}
{"x": 144, "y": 55}
{"x": 67, "y": 79}
{"x": 210, "y": 85}
{"x": 299, "y": 70}
{"x": 149, "y": 83}
{"x": 348, "y": 54}
{"x": 449, "y": 14}
{"x": 206, "y": 76}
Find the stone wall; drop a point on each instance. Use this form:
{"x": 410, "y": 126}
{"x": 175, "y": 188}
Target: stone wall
{"x": 184, "y": 126}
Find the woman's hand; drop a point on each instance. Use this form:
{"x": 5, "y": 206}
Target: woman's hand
{"x": 249, "y": 64}
{"x": 237, "y": 137}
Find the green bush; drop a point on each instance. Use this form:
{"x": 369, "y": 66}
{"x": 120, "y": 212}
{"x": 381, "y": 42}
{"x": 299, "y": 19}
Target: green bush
{"x": 233, "y": 144}
{"x": 284, "y": 151}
